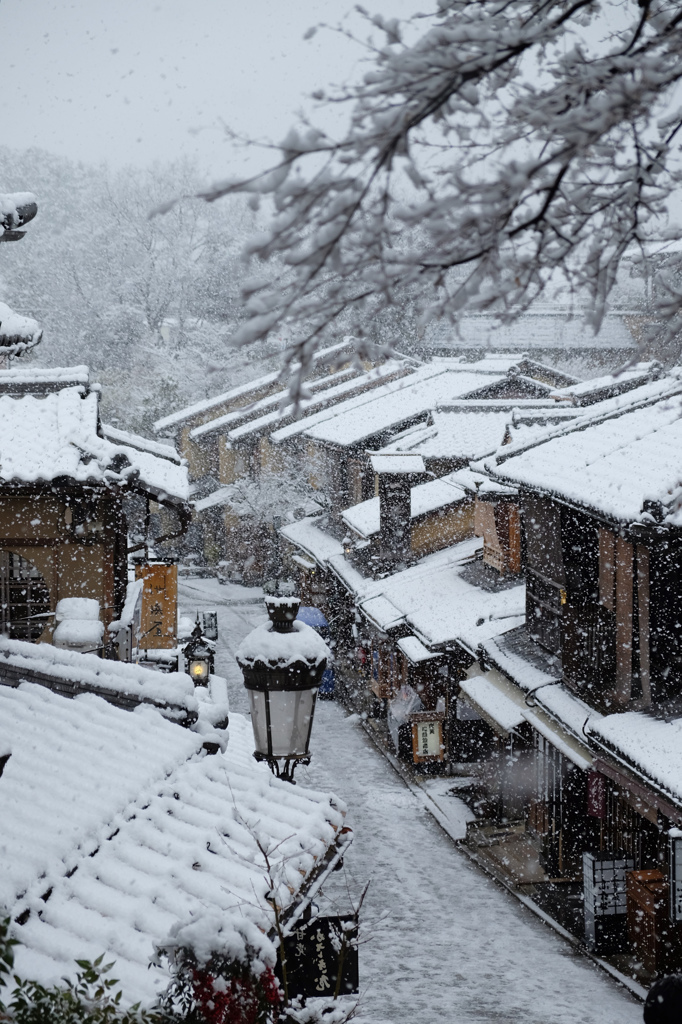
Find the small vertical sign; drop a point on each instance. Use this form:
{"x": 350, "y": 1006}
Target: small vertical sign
{"x": 158, "y": 626}
{"x": 318, "y": 952}
{"x": 675, "y": 837}
{"x": 596, "y": 795}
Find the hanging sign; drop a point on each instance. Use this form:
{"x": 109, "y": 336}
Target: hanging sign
{"x": 158, "y": 625}
{"x": 596, "y": 795}
{"x": 318, "y": 952}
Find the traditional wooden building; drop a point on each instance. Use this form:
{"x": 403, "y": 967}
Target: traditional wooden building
{"x": 65, "y": 482}
{"x": 588, "y": 692}
{"x": 336, "y": 440}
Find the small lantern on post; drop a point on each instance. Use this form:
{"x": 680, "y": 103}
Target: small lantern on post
{"x": 199, "y": 657}
{"x": 283, "y": 662}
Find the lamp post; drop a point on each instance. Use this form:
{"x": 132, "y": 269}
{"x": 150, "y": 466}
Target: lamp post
{"x": 199, "y": 657}
{"x": 16, "y": 209}
{"x": 282, "y": 662}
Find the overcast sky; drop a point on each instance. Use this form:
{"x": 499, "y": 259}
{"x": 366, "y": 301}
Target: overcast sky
{"x": 131, "y": 81}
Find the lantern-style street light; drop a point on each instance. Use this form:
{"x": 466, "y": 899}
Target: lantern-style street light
{"x": 16, "y": 209}
{"x": 282, "y": 662}
{"x": 199, "y": 657}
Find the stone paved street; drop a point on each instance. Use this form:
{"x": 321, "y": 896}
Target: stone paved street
{"x": 443, "y": 942}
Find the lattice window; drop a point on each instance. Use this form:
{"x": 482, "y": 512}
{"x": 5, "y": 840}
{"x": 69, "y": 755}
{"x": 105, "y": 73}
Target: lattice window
{"x": 24, "y": 598}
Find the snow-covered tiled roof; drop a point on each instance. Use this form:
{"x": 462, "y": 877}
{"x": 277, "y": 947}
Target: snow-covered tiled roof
{"x": 456, "y": 435}
{"x": 651, "y": 745}
{"x": 441, "y": 607}
{"x": 386, "y": 408}
{"x": 42, "y": 380}
{"x": 434, "y": 599}
{"x": 276, "y": 403}
{"x": 88, "y": 672}
{"x": 526, "y": 663}
{"x": 414, "y": 650}
{"x": 309, "y": 535}
{"x": 74, "y": 767}
{"x": 141, "y": 444}
{"x": 612, "y": 463}
{"x": 434, "y": 494}
{"x": 205, "y": 406}
{"x": 44, "y": 438}
{"x": 624, "y": 380}
{"x": 154, "y": 837}
{"x": 367, "y": 383}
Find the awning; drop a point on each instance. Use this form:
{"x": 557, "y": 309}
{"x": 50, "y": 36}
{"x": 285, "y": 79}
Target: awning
{"x": 503, "y": 706}
{"x": 382, "y": 612}
{"x": 303, "y": 562}
{"x": 560, "y": 738}
{"x": 497, "y": 700}
{"x": 414, "y": 650}
{"x": 397, "y": 462}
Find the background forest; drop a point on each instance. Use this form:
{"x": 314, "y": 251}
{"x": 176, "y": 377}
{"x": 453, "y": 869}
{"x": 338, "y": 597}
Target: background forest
{"x": 148, "y": 304}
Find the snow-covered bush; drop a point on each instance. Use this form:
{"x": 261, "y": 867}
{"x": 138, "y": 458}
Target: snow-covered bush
{"x": 93, "y": 998}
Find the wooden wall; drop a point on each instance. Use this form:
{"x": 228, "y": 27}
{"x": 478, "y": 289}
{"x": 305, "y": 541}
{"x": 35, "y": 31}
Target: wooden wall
{"x": 440, "y": 529}
{"x": 74, "y": 546}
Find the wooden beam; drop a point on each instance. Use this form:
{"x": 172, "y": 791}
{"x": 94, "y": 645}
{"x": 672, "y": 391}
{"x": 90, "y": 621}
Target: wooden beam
{"x": 624, "y": 612}
{"x": 607, "y": 569}
{"x": 644, "y": 622}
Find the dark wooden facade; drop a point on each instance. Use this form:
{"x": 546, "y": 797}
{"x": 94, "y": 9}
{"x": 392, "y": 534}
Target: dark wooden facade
{"x": 605, "y": 602}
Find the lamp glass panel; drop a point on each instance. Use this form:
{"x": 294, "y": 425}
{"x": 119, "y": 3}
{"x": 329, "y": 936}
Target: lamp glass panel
{"x": 290, "y": 715}
{"x": 259, "y": 721}
{"x": 198, "y": 669}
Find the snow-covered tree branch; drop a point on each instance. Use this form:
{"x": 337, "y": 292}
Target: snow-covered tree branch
{"x": 489, "y": 148}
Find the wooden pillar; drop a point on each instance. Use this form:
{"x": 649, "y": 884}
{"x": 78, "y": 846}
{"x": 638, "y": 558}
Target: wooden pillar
{"x": 624, "y": 609}
{"x": 644, "y": 622}
{"x": 607, "y": 569}
{"x": 515, "y": 564}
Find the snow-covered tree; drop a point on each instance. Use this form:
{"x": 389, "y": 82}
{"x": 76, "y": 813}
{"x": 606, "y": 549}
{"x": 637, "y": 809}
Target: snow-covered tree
{"x": 491, "y": 147}
{"x": 148, "y": 304}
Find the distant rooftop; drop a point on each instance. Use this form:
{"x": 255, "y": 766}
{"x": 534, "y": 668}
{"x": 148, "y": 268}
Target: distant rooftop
{"x": 198, "y": 408}
{"x": 543, "y": 327}
{"x": 276, "y": 403}
{"x": 612, "y": 459}
{"x": 386, "y": 408}
{"x": 336, "y": 396}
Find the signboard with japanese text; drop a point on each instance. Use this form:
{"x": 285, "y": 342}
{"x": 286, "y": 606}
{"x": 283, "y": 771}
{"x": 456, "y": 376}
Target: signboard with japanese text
{"x": 605, "y": 901}
{"x": 427, "y": 736}
{"x": 318, "y": 952}
{"x": 158, "y": 626}
{"x": 596, "y": 795}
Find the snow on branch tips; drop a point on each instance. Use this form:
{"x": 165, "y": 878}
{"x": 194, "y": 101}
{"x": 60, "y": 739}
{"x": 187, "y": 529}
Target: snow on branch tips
{"x": 489, "y": 146}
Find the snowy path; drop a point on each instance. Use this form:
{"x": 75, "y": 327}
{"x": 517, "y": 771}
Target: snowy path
{"x": 445, "y": 943}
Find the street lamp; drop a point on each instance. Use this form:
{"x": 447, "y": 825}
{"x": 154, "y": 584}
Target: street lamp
{"x": 16, "y": 209}
{"x": 282, "y": 662}
{"x": 199, "y": 657}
